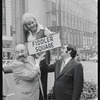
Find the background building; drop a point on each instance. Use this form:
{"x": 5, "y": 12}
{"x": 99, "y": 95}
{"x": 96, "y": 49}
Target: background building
{"x": 6, "y": 29}
{"x": 76, "y": 20}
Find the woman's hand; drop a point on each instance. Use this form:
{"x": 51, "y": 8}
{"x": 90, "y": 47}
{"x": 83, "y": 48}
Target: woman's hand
{"x": 40, "y": 58}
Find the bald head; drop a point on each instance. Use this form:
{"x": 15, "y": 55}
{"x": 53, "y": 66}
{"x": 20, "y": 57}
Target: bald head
{"x": 20, "y": 46}
{"x": 20, "y": 51}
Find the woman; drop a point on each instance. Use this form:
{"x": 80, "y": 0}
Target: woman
{"x": 33, "y": 30}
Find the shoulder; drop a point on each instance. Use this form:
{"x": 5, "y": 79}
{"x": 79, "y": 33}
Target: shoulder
{"x": 78, "y": 64}
{"x": 31, "y": 58}
{"x": 16, "y": 63}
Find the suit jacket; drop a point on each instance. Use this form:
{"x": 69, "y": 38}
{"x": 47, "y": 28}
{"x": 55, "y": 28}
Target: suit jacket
{"x": 26, "y": 81}
{"x": 69, "y": 83}
{"x": 44, "y": 73}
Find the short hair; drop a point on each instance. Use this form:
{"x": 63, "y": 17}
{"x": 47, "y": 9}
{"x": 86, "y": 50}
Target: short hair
{"x": 73, "y": 50}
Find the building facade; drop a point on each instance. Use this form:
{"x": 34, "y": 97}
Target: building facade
{"x": 75, "y": 20}
{"x": 6, "y": 29}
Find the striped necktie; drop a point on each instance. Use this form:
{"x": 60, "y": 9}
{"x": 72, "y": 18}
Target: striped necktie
{"x": 63, "y": 65}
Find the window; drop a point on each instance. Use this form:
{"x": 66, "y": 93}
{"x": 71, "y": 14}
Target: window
{"x": 72, "y": 21}
{"x": 77, "y": 38}
{"x": 53, "y": 6}
{"x": 48, "y": 19}
{"x": 75, "y": 22}
{"x": 3, "y": 17}
{"x": 48, "y": 6}
{"x": 58, "y": 4}
{"x": 74, "y": 38}
{"x": 58, "y": 18}
{"x": 61, "y": 18}
{"x": 69, "y": 20}
{"x": 64, "y": 19}
{"x": 53, "y": 23}
{"x": 52, "y": 15}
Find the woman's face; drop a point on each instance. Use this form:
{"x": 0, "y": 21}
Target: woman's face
{"x": 31, "y": 24}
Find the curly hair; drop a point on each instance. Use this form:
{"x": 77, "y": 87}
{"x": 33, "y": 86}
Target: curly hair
{"x": 73, "y": 50}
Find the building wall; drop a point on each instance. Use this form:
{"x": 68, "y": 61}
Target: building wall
{"x": 6, "y": 25}
{"x": 75, "y": 19}
{"x": 8, "y": 16}
{"x": 38, "y": 9}
{"x": 6, "y": 36}
{"x": 3, "y": 18}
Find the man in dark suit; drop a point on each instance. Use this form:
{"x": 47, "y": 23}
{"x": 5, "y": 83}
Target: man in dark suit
{"x": 68, "y": 75}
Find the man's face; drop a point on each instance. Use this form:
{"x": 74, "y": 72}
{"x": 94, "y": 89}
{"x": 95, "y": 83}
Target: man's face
{"x": 31, "y": 24}
{"x": 63, "y": 51}
{"x": 21, "y": 53}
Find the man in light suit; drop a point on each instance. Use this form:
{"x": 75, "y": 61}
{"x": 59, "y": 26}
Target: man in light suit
{"x": 68, "y": 75}
{"x": 26, "y": 73}
{"x": 5, "y": 87}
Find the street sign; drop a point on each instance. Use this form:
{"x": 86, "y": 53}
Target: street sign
{"x": 44, "y": 44}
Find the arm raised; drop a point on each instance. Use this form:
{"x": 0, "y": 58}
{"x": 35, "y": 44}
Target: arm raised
{"x": 23, "y": 73}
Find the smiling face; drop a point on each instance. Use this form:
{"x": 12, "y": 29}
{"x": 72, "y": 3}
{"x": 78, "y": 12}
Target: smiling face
{"x": 64, "y": 51}
{"x": 31, "y": 23}
{"x": 20, "y": 52}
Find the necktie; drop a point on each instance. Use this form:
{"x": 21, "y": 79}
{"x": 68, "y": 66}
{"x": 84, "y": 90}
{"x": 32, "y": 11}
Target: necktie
{"x": 63, "y": 65}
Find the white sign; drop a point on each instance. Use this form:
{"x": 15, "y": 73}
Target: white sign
{"x": 44, "y": 44}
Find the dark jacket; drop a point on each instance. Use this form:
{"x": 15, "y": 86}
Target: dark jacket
{"x": 44, "y": 74}
{"x": 69, "y": 83}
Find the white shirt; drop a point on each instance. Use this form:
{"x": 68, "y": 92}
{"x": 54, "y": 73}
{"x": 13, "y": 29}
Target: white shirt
{"x": 46, "y": 33}
{"x": 66, "y": 61}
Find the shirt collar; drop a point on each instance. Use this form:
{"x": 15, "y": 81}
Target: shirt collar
{"x": 67, "y": 60}
{"x": 39, "y": 27}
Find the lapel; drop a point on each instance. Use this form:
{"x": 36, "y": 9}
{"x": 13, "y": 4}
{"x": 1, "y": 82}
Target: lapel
{"x": 66, "y": 68}
{"x": 58, "y": 67}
